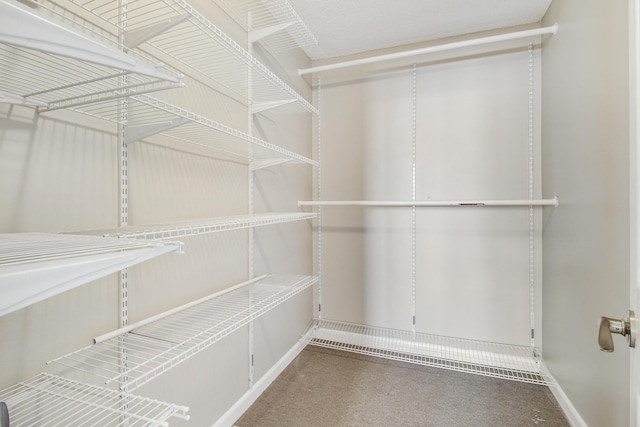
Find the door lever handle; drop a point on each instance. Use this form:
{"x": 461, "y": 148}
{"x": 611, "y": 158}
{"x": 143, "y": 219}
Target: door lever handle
{"x": 610, "y": 326}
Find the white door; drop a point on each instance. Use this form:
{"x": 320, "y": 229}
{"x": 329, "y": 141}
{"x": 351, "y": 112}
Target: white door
{"x": 634, "y": 120}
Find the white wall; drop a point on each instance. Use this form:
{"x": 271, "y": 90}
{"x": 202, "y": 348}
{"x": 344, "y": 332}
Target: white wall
{"x": 59, "y": 173}
{"x": 472, "y": 278}
{"x": 586, "y": 240}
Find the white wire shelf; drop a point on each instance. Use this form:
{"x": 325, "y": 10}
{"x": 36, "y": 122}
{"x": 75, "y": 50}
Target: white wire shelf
{"x": 536, "y": 32}
{"x": 512, "y": 362}
{"x": 275, "y": 23}
{"x": 153, "y": 348}
{"x": 36, "y": 266}
{"x": 47, "y": 63}
{"x": 164, "y": 26}
{"x": 213, "y": 225}
{"x": 55, "y": 401}
{"x": 148, "y": 116}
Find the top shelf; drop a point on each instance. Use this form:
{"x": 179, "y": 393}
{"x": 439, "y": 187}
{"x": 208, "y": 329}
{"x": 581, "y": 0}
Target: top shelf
{"x": 274, "y": 23}
{"x": 536, "y": 32}
{"x": 162, "y": 27}
{"x": 49, "y": 64}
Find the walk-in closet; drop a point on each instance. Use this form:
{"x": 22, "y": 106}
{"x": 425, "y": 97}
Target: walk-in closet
{"x": 199, "y": 198}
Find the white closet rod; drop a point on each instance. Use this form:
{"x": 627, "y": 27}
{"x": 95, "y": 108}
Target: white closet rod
{"x": 435, "y": 203}
{"x": 131, "y": 327}
{"x": 449, "y": 46}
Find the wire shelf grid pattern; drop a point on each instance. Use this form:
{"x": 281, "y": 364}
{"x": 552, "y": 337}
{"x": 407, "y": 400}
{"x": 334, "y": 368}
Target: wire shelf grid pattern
{"x": 163, "y": 344}
{"x": 211, "y": 226}
{"x": 210, "y": 52}
{"x": 26, "y": 248}
{"x": 201, "y": 130}
{"x": 157, "y": 117}
{"x": 512, "y": 362}
{"x": 37, "y": 266}
{"x": 270, "y": 14}
{"x": 77, "y": 83}
{"x": 55, "y": 401}
{"x": 94, "y": 25}
{"x": 51, "y": 81}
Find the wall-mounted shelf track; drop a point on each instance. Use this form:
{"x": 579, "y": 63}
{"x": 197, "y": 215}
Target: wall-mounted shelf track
{"x": 164, "y": 343}
{"x": 162, "y": 27}
{"x": 519, "y": 363}
{"x": 213, "y": 225}
{"x": 49, "y": 65}
{"x": 55, "y": 401}
{"x": 273, "y": 23}
{"x": 36, "y": 266}
{"x": 148, "y": 116}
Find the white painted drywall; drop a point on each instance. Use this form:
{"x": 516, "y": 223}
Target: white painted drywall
{"x": 472, "y": 278}
{"x": 586, "y": 240}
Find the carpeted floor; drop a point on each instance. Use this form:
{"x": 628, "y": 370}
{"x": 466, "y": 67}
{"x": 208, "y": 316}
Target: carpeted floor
{"x": 323, "y": 387}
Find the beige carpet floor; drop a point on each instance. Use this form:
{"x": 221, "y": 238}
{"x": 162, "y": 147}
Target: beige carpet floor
{"x": 323, "y": 387}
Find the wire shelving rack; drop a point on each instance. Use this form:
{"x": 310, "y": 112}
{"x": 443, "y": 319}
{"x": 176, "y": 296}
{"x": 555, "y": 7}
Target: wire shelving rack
{"x": 92, "y": 90}
{"x": 213, "y": 225}
{"x": 161, "y": 28}
{"x": 153, "y": 348}
{"x": 506, "y": 361}
{"x": 51, "y": 60}
{"x": 148, "y": 116}
{"x": 55, "y": 401}
{"x": 137, "y": 355}
{"x": 36, "y": 266}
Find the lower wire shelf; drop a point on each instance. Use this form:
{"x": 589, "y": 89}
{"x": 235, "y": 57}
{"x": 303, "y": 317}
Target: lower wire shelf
{"x": 512, "y": 362}
{"x": 134, "y": 357}
{"x": 56, "y": 401}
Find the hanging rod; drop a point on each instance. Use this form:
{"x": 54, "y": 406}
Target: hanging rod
{"x": 449, "y": 46}
{"x": 131, "y": 327}
{"x": 435, "y": 203}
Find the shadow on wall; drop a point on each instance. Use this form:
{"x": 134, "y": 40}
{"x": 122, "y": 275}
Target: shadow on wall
{"x": 56, "y": 175}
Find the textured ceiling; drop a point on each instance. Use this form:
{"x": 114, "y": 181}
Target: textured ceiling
{"x": 344, "y": 27}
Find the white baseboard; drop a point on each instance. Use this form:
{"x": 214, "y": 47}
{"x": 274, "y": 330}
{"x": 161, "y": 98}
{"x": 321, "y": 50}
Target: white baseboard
{"x": 247, "y": 399}
{"x": 567, "y": 407}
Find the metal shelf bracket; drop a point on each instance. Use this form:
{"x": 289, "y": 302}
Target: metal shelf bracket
{"x": 258, "y": 107}
{"x": 257, "y": 35}
{"x": 136, "y": 37}
{"x": 138, "y": 132}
